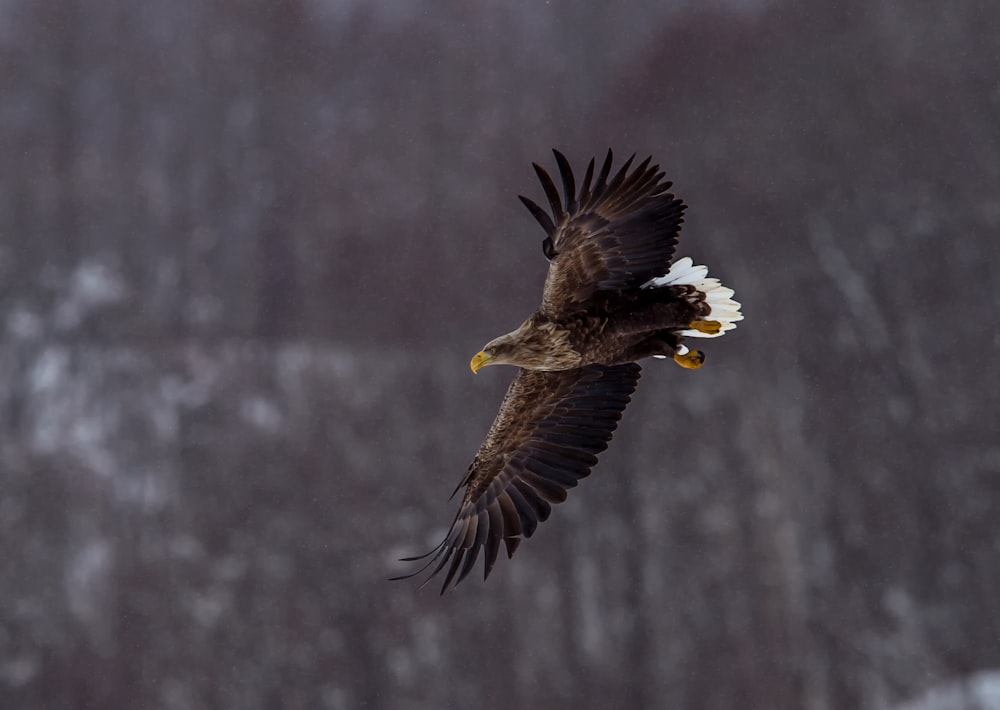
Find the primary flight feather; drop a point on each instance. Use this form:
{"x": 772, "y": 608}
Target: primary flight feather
{"x": 613, "y": 295}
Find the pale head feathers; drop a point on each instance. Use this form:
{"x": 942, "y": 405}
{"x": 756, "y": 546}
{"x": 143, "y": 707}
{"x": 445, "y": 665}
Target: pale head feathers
{"x": 533, "y": 346}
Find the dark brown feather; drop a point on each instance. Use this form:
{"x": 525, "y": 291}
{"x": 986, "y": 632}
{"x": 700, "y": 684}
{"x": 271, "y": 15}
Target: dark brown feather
{"x": 611, "y": 236}
{"x": 551, "y": 193}
{"x": 569, "y": 187}
{"x": 541, "y": 215}
{"x": 546, "y": 436}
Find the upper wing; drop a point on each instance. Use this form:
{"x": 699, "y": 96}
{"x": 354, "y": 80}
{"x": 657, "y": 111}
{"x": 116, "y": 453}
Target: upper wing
{"x": 546, "y": 436}
{"x": 611, "y": 236}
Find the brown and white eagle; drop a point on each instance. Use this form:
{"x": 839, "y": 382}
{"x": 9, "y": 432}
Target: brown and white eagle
{"x": 613, "y": 295}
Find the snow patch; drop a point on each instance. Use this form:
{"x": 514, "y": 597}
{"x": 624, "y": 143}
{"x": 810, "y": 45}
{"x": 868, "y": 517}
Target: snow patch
{"x": 980, "y": 691}
{"x": 92, "y": 285}
{"x": 261, "y": 413}
{"x": 87, "y": 580}
{"x": 20, "y": 671}
{"x": 23, "y": 324}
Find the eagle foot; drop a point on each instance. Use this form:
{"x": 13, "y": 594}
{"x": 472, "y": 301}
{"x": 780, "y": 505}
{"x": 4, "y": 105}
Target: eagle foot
{"x": 708, "y": 327}
{"x": 692, "y": 359}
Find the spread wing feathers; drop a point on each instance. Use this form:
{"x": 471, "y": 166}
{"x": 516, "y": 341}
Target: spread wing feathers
{"x": 613, "y": 234}
{"x": 546, "y": 437}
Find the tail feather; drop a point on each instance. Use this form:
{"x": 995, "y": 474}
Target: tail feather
{"x": 719, "y": 298}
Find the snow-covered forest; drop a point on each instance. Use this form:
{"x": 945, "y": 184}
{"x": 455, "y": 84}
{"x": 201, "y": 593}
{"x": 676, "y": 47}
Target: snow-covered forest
{"x": 247, "y": 249}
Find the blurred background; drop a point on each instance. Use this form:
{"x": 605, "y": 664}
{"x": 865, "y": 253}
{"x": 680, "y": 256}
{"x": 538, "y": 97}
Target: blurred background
{"x": 247, "y": 249}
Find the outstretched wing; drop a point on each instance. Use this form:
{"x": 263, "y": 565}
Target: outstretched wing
{"x": 546, "y": 437}
{"x": 610, "y": 236}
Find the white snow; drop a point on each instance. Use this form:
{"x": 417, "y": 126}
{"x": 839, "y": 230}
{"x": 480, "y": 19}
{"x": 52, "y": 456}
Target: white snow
{"x": 980, "y": 691}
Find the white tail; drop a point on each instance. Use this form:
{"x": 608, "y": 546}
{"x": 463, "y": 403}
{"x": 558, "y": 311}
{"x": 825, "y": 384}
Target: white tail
{"x": 718, "y": 297}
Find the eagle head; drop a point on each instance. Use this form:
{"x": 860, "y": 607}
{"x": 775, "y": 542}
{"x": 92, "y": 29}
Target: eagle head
{"x": 533, "y": 346}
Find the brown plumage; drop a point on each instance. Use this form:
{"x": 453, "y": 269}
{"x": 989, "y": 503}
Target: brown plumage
{"x": 611, "y": 297}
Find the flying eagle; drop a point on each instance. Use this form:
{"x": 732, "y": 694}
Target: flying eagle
{"x": 613, "y": 295}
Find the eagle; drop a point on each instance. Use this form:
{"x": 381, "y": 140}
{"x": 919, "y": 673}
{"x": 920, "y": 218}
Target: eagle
{"x": 613, "y": 295}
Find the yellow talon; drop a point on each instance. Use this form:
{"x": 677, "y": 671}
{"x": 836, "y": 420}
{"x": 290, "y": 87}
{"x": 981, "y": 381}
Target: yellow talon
{"x": 691, "y": 360}
{"x": 708, "y": 327}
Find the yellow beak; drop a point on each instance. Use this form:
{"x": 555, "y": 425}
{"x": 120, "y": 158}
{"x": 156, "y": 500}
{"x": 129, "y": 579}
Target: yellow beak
{"x": 479, "y": 360}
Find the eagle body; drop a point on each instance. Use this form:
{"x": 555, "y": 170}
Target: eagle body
{"x": 613, "y": 295}
{"x": 624, "y": 327}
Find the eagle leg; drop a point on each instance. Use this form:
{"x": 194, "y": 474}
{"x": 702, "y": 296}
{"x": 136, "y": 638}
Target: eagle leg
{"x": 691, "y": 360}
{"x": 708, "y": 327}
